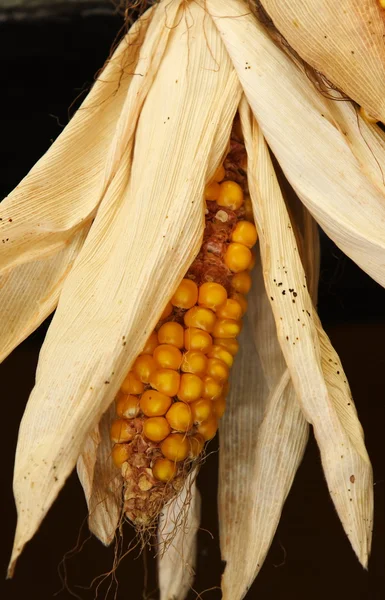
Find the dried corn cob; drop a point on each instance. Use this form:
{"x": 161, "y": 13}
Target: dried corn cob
{"x": 169, "y": 404}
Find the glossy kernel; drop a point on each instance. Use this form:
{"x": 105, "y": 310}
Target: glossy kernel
{"x": 212, "y": 389}
{"x": 194, "y": 362}
{"x": 218, "y": 351}
{"x": 120, "y": 454}
{"x": 208, "y": 428}
{"x": 238, "y": 257}
{"x": 175, "y": 447}
{"x": 171, "y": 333}
{"x": 144, "y": 367}
{"x": 132, "y": 384}
{"x": 197, "y": 339}
{"x": 227, "y": 328}
{"x": 190, "y": 388}
{"x": 151, "y": 344}
{"x": 179, "y": 416}
{"x": 167, "y": 311}
{"x": 156, "y": 428}
{"x": 166, "y": 381}
{"x": 212, "y": 294}
{"x": 154, "y": 404}
{"x": 186, "y": 294}
{"x": 200, "y": 317}
{"x": 217, "y": 369}
{"x": 212, "y": 191}
{"x": 240, "y": 298}
{"x": 245, "y": 233}
{"x": 164, "y": 469}
{"x": 219, "y": 174}
{"x": 201, "y": 410}
{"x": 167, "y": 356}
{"x": 196, "y": 443}
{"x": 231, "y": 309}
{"x": 219, "y": 407}
{"x": 122, "y": 431}
{"x": 127, "y": 406}
{"x": 229, "y": 344}
{"x": 241, "y": 282}
{"x": 230, "y": 195}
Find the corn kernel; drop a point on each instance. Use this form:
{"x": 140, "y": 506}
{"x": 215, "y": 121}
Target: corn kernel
{"x": 190, "y": 388}
{"x": 238, "y": 257}
{"x": 196, "y": 443}
{"x": 217, "y": 369}
{"x": 230, "y": 195}
{"x": 211, "y": 295}
{"x": 227, "y": 328}
{"x": 241, "y": 282}
{"x": 144, "y": 367}
{"x": 120, "y": 454}
{"x": 167, "y": 311}
{"x": 200, "y": 317}
{"x": 212, "y": 191}
{"x": 175, "y": 447}
{"x": 167, "y": 356}
{"x": 229, "y": 344}
{"x": 197, "y": 339}
{"x": 132, "y": 385}
{"x": 219, "y": 174}
{"x": 241, "y": 299}
{"x": 219, "y": 407}
{"x": 186, "y": 295}
{"x": 127, "y": 406}
{"x": 194, "y": 362}
{"x": 122, "y": 431}
{"x": 166, "y": 381}
{"x": 151, "y": 344}
{"x": 164, "y": 469}
{"x": 212, "y": 389}
{"x": 154, "y": 404}
{"x": 253, "y": 261}
{"x": 156, "y": 428}
{"x": 179, "y": 416}
{"x": 218, "y": 351}
{"x": 208, "y": 428}
{"x": 201, "y": 410}
{"x": 226, "y": 388}
{"x": 171, "y": 333}
{"x": 245, "y": 233}
{"x": 231, "y": 309}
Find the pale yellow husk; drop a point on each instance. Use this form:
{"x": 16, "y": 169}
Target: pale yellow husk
{"x": 342, "y": 39}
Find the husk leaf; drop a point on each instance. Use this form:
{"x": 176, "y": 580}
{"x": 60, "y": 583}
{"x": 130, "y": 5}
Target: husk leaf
{"x": 149, "y": 219}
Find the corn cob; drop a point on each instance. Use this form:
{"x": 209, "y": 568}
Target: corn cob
{"x": 169, "y": 405}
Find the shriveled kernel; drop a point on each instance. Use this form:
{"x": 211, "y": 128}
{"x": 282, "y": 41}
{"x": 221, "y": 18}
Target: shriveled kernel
{"x": 186, "y": 294}
{"x": 154, "y": 404}
{"x": 164, "y": 469}
{"x": 132, "y": 384}
{"x": 175, "y": 447}
{"x": 212, "y": 294}
{"x": 156, "y": 428}
{"x": 227, "y": 328}
{"x": 144, "y": 367}
{"x": 167, "y": 356}
{"x": 179, "y": 416}
{"x": 229, "y": 344}
{"x": 241, "y": 299}
{"x": 238, "y": 257}
{"x": 230, "y": 195}
{"x": 212, "y": 191}
{"x": 231, "y": 309}
{"x": 219, "y": 407}
{"x": 196, "y": 443}
{"x": 212, "y": 389}
{"x": 120, "y": 454}
{"x": 224, "y": 355}
{"x": 166, "y": 381}
{"x": 245, "y": 233}
{"x": 201, "y": 410}
{"x": 208, "y": 428}
{"x": 190, "y": 388}
{"x": 197, "y": 339}
{"x": 151, "y": 344}
{"x": 241, "y": 282}
{"x": 217, "y": 369}
{"x": 200, "y": 317}
{"x": 127, "y": 406}
{"x": 167, "y": 311}
{"x": 122, "y": 431}
{"x": 194, "y": 362}
{"x": 219, "y": 174}
{"x": 171, "y": 333}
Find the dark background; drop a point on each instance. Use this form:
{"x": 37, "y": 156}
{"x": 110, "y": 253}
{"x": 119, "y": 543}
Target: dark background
{"x": 45, "y": 63}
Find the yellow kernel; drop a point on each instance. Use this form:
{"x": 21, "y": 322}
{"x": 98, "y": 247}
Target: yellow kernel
{"x": 241, "y": 282}
{"x": 364, "y": 113}
{"x": 175, "y": 447}
{"x": 248, "y": 208}
{"x": 229, "y": 344}
{"x": 219, "y": 174}
{"x": 231, "y": 309}
{"x": 201, "y": 410}
{"x": 166, "y": 381}
{"x": 171, "y": 333}
{"x": 132, "y": 385}
{"x": 156, "y": 428}
{"x": 144, "y": 367}
{"x": 167, "y": 311}
{"x": 238, "y": 257}
{"x": 151, "y": 344}
{"x": 226, "y": 388}
{"x": 190, "y": 387}
{"x": 253, "y": 261}
{"x": 219, "y": 407}
{"x": 212, "y": 294}
{"x": 167, "y": 356}
{"x": 212, "y": 191}
{"x": 164, "y": 469}
{"x": 217, "y": 369}
{"x": 197, "y": 339}
{"x": 208, "y": 428}
{"x": 186, "y": 294}
{"x": 200, "y": 317}
{"x": 230, "y": 195}
{"x": 127, "y": 406}
{"x": 245, "y": 233}
{"x": 218, "y": 351}
{"x": 227, "y": 328}
{"x": 212, "y": 389}
{"x": 120, "y": 454}
{"x": 122, "y": 431}
{"x": 179, "y": 416}
{"x": 154, "y": 404}
{"x": 194, "y": 362}
{"x": 241, "y": 299}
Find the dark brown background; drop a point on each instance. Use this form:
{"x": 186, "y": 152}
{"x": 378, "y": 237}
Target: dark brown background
{"x": 45, "y": 63}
